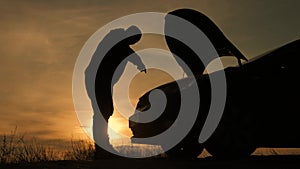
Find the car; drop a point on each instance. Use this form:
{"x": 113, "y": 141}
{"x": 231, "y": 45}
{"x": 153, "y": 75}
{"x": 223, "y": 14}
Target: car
{"x": 261, "y": 108}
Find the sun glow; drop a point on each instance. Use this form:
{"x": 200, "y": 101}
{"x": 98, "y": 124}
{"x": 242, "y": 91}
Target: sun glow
{"x": 117, "y": 124}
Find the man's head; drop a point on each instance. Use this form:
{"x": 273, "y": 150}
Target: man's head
{"x": 134, "y": 34}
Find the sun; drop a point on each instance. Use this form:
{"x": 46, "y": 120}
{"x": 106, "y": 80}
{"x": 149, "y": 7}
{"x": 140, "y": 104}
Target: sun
{"x": 117, "y": 124}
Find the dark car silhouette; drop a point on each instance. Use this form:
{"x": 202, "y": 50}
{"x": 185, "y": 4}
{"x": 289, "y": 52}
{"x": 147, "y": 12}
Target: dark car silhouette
{"x": 262, "y": 108}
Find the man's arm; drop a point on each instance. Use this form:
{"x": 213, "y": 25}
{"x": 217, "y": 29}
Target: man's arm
{"x": 136, "y": 60}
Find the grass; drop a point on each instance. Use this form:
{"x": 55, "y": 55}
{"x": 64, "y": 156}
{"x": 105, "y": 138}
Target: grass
{"x": 80, "y": 150}
{"x": 14, "y": 148}
{"x": 136, "y": 150}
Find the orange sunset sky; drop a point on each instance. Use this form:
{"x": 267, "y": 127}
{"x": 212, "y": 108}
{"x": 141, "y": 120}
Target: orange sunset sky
{"x": 40, "y": 41}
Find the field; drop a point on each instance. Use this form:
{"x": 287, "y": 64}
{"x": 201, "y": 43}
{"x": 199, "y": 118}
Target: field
{"x": 16, "y": 152}
{"x": 260, "y": 162}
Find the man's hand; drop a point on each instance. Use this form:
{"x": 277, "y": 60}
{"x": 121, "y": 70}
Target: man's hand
{"x": 144, "y": 70}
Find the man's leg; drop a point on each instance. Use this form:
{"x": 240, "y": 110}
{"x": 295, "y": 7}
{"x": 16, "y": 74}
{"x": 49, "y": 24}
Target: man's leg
{"x": 101, "y": 136}
{"x": 100, "y": 128}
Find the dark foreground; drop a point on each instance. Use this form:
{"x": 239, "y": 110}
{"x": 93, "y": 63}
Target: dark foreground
{"x": 261, "y": 162}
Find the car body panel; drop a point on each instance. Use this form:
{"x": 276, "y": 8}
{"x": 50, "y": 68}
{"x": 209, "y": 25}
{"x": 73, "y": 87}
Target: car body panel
{"x": 263, "y": 92}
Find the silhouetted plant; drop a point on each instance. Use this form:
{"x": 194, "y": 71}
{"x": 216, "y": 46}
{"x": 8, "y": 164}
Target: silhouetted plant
{"x": 14, "y": 148}
{"x": 80, "y": 150}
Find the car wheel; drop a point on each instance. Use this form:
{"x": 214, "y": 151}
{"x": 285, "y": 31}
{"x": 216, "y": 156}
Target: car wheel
{"x": 185, "y": 150}
{"x": 234, "y": 137}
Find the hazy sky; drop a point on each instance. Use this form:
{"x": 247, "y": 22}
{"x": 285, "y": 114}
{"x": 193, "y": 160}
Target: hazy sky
{"x": 40, "y": 41}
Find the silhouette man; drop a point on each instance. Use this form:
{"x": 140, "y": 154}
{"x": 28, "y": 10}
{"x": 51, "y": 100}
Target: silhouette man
{"x": 118, "y": 51}
{"x": 223, "y": 46}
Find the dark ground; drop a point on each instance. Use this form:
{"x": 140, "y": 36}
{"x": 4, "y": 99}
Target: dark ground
{"x": 254, "y": 162}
